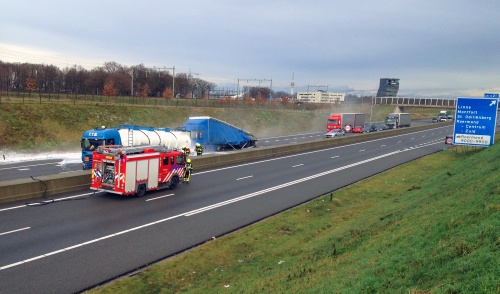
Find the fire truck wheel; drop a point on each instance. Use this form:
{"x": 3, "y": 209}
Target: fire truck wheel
{"x": 141, "y": 190}
{"x": 173, "y": 183}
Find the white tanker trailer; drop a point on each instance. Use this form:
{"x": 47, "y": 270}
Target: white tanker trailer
{"x": 158, "y": 137}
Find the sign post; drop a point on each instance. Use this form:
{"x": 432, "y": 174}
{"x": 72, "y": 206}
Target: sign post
{"x": 475, "y": 121}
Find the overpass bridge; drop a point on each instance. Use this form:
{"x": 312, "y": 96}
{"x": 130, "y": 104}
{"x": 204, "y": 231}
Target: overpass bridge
{"x": 409, "y": 101}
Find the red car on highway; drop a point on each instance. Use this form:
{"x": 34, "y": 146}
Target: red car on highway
{"x": 357, "y": 129}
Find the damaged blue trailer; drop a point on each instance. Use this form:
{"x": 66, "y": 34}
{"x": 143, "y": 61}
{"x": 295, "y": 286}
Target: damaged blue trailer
{"x": 214, "y": 134}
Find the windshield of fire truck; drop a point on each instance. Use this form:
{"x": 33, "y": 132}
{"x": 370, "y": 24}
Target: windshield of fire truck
{"x": 91, "y": 144}
{"x": 333, "y": 121}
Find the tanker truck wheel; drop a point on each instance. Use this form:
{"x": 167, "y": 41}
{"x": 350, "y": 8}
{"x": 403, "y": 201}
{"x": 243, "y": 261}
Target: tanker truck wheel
{"x": 141, "y": 190}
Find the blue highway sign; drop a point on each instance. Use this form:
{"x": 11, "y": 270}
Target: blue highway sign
{"x": 490, "y": 95}
{"x": 475, "y": 121}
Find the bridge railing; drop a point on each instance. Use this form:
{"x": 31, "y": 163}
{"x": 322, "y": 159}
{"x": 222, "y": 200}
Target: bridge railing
{"x": 412, "y": 101}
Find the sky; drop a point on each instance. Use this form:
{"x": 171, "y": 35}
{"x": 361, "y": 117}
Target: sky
{"x": 437, "y": 48}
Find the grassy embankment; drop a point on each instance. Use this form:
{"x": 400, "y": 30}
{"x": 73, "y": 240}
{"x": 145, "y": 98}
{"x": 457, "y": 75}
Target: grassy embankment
{"x": 418, "y": 228}
{"x": 52, "y": 125}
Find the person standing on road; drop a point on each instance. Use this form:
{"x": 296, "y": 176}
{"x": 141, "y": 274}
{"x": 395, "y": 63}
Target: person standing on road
{"x": 188, "y": 170}
{"x": 199, "y": 149}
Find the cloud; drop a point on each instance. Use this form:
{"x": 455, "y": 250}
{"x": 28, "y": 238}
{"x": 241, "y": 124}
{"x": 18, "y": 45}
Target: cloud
{"x": 427, "y": 44}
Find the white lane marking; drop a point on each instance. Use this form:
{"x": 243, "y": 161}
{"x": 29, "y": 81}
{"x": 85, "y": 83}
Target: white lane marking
{"x": 382, "y": 145}
{"x": 88, "y": 242}
{"x": 23, "y": 166}
{"x": 151, "y": 199}
{"x": 13, "y": 231}
{"x": 298, "y": 165}
{"x": 335, "y": 156}
{"x": 362, "y": 150}
{"x": 244, "y": 178}
{"x": 47, "y": 201}
{"x": 203, "y": 209}
{"x": 14, "y": 207}
{"x": 24, "y": 169}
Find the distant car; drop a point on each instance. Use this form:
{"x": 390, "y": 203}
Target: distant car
{"x": 381, "y": 127}
{"x": 369, "y": 128}
{"x": 435, "y": 119}
{"x": 357, "y": 129}
{"x": 335, "y": 133}
{"x": 443, "y": 118}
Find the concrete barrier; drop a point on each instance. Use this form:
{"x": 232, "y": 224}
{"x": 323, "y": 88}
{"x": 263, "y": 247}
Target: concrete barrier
{"x": 43, "y": 186}
{"x": 61, "y": 183}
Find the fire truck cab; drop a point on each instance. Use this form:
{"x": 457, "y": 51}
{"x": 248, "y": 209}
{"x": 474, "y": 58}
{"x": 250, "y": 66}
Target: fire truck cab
{"x": 135, "y": 170}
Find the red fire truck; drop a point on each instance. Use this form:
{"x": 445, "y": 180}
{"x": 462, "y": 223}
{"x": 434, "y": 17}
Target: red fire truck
{"x": 135, "y": 170}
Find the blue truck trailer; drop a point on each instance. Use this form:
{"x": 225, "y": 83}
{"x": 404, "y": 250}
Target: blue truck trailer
{"x": 214, "y": 134}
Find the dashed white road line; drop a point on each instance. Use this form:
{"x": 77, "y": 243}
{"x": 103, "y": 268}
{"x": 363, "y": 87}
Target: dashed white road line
{"x": 298, "y": 165}
{"x": 151, "y": 199}
{"x": 47, "y": 201}
{"x": 13, "y": 231}
{"x": 244, "y": 178}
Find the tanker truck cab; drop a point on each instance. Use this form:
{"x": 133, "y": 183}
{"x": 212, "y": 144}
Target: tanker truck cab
{"x": 92, "y": 139}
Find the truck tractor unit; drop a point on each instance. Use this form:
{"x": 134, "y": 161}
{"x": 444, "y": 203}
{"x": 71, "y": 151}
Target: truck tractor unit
{"x": 345, "y": 121}
{"x": 398, "y": 120}
{"x": 135, "y": 170}
{"x": 130, "y": 135}
{"x": 446, "y": 114}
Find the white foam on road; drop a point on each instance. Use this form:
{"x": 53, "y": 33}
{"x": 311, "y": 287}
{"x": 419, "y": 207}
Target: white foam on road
{"x": 9, "y": 156}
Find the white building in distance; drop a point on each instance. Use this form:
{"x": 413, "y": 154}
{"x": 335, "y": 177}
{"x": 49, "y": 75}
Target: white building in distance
{"x": 320, "y": 97}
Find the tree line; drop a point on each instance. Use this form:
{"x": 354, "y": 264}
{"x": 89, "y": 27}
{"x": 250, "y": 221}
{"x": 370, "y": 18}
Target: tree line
{"x": 111, "y": 79}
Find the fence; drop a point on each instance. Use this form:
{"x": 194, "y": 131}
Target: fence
{"x": 84, "y": 99}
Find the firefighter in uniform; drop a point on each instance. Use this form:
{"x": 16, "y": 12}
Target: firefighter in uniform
{"x": 199, "y": 149}
{"x": 188, "y": 170}
{"x": 186, "y": 150}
